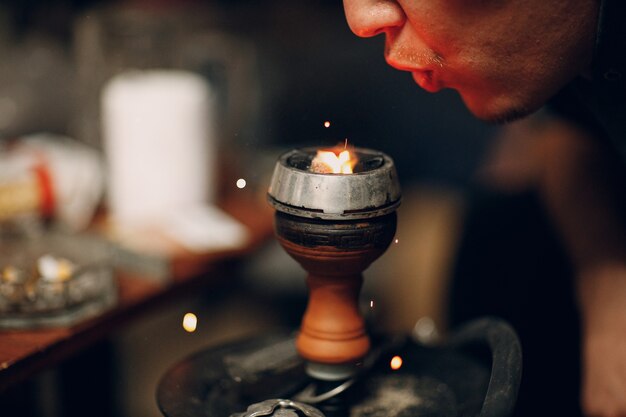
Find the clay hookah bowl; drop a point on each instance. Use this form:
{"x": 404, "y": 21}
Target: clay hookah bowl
{"x": 335, "y": 226}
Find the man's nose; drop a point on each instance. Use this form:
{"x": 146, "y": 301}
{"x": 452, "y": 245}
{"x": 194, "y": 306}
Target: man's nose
{"x": 368, "y": 18}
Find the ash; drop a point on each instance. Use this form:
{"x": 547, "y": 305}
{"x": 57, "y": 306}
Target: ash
{"x": 405, "y": 396}
{"x": 391, "y": 396}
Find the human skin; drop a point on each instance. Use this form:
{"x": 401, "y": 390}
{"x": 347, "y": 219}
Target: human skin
{"x": 582, "y": 182}
{"x": 506, "y": 58}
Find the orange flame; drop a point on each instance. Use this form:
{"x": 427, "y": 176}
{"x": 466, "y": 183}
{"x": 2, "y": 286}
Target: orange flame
{"x": 328, "y": 162}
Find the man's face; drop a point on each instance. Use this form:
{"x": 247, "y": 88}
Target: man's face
{"x": 506, "y": 58}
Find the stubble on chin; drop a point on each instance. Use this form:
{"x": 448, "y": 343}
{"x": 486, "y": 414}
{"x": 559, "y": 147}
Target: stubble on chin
{"x": 499, "y": 112}
{"x": 508, "y": 116}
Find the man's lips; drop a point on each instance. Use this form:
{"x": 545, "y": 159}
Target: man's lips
{"x": 426, "y": 80}
{"x": 426, "y": 77}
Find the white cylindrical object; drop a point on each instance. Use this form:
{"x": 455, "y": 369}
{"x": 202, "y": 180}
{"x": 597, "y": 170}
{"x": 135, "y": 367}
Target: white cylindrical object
{"x": 159, "y": 138}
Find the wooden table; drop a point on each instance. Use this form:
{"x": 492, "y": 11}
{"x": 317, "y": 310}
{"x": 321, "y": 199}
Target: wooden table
{"x": 23, "y": 353}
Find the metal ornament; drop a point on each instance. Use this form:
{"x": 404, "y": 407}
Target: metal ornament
{"x": 279, "y": 408}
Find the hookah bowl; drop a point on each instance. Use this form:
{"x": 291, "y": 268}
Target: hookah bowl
{"x": 335, "y": 226}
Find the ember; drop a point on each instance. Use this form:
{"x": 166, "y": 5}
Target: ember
{"x": 329, "y": 162}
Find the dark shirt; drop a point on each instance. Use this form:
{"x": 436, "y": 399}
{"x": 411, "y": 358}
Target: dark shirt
{"x": 599, "y": 104}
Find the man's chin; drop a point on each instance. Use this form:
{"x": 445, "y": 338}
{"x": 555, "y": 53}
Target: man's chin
{"x": 498, "y": 114}
{"x": 508, "y": 116}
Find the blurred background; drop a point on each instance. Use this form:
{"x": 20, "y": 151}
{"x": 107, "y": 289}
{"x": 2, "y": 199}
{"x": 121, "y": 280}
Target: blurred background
{"x": 275, "y": 71}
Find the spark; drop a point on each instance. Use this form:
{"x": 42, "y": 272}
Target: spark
{"x": 190, "y": 322}
{"x": 396, "y": 363}
{"x": 327, "y": 124}
{"x": 396, "y": 241}
{"x": 371, "y": 303}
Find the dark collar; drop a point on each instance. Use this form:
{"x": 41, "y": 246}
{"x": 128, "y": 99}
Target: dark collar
{"x": 609, "y": 62}
{"x": 609, "y": 72}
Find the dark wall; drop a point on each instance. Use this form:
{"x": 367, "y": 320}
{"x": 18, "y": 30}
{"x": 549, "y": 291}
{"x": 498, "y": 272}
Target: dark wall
{"x": 311, "y": 69}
